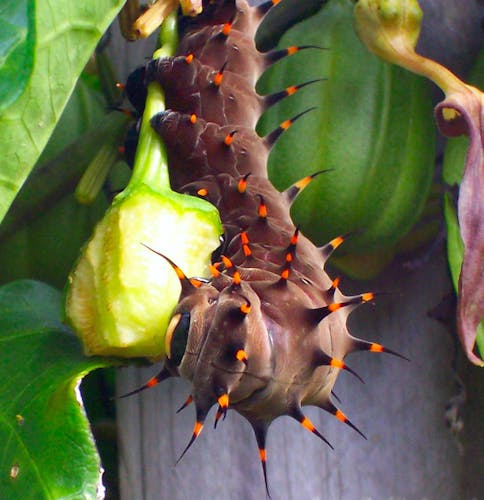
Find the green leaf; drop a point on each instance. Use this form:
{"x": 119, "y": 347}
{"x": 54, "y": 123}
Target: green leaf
{"x": 67, "y": 33}
{"x": 282, "y": 17}
{"x": 17, "y": 40}
{"x": 30, "y": 246}
{"x": 455, "y": 245}
{"x": 372, "y": 129}
{"x": 47, "y": 447}
{"x": 84, "y": 110}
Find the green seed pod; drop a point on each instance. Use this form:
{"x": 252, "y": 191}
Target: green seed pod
{"x": 121, "y": 294}
{"x": 373, "y": 129}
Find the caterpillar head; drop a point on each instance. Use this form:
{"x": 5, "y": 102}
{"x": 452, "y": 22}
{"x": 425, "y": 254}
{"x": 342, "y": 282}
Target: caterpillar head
{"x": 224, "y": 340}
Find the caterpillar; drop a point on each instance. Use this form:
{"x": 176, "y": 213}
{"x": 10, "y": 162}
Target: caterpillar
{"x": 267, "y": 334}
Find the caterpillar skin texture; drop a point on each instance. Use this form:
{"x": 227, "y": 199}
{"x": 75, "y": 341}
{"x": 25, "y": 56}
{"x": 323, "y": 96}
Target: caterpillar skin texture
{"x": 267, "y": 334}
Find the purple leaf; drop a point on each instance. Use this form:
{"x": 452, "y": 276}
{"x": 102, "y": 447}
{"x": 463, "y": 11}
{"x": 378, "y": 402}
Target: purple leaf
{"x": 462, "y": 112}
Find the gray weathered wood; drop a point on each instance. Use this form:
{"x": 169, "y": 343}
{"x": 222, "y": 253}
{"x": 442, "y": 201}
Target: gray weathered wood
{"x": 409, "y": 453}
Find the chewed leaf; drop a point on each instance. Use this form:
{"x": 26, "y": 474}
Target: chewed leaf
{"x": 47, "y": 444}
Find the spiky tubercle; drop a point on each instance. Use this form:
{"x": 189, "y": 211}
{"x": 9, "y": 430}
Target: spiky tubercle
{"x": 268, "y": 334}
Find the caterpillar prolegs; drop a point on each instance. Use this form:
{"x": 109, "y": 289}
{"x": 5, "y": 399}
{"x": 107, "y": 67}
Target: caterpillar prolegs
{"x": 267, "y": 334}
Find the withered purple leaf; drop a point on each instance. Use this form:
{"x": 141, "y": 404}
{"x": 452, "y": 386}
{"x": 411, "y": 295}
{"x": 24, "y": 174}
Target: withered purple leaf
{"x": 463, "y": 113}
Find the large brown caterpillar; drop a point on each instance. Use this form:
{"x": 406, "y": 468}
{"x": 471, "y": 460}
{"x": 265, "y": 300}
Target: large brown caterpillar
{"x": 267, "y": 334}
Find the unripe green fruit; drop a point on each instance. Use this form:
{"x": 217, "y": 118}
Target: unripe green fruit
{"x": 121, "y": 294}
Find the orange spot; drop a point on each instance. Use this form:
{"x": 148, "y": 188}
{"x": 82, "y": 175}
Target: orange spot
{"x": 198, "y": 428}
{"x": 242, "y": 186}
{"x": 179, "y": 273}
{"x": 215, "y": 272}
{"x": 237, "y": 278}
{"x": 121, "y": 150}
{"x": 217, "y": 81}
{"x": 245, "y": 309}
{"x": 275, "y": 2}
{"x": 286, "y": 124}
{"x": 291, "y": 90}
{"x": 289, "y": 257}
{"x": 334, "y": 306}
{"x": 307, "y": 424}
{"x": 376, "y": 348}
{"x": 226, "y": 29}
{"x": 366, "y": 297}
{"x": 304, "y": 182}
{"x": 335, "y": 283}
{"x": 247, "y": 251}
{"x": 244, "y": 238}
{"x": 121, "y": 86}
{"x": 336, "y": 242}
{"x": 285, "y": 274}
{"x": 193, "y": 118}
{"x": 262, "y": 209}
{"x": 196, "y": 283}
{"x": 340, "y": 416}
{"x": 202, "y": 192}
{"x": 262, "y": 454}
{"x": 336, "y": 363}
{"x": 229, "y": 138}
{"x": 227, "y": 262}
{"x": 241, "y": 355}
{"x": 223, "y": 401}
{"x": 294, "y": 239}
{"x": 189, "y": 58}
{"x": 151, "y": 382}
{"x": 292, "y": 50}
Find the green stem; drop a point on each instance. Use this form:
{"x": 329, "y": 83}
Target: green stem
{"x": 150, "y": 165}
{"x": 440, "y": 75}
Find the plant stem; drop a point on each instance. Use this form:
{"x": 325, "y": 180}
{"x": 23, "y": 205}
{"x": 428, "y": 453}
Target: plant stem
{"x": 150, "y": 165}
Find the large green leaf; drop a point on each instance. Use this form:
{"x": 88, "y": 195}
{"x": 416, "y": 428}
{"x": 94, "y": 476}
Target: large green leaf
{"x": 282, "y": 17}
{"x": 66, "y": 34}
{"x": 372, "y": 128}
{"x": 47, "y": 447}
{"x": 17, "y": 39}
{"x": 37, "y": 237}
